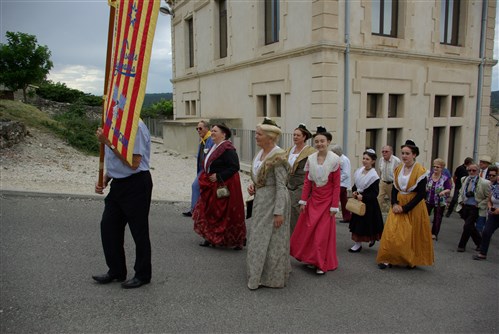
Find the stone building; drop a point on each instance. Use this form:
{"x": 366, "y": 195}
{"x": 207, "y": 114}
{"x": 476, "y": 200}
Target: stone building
{"x": 372, "y": 72}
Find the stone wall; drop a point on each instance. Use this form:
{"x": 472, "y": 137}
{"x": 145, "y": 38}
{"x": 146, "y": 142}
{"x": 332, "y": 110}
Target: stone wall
{"x": 11, "y": 133}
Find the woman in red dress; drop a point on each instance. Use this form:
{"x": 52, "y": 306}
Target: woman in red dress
{"x": 314, "y": 238}
{"x": 220, "y": 221}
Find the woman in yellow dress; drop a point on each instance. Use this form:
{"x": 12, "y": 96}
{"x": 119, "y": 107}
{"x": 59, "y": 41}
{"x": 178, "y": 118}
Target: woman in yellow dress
{"x": 406, "y": 238}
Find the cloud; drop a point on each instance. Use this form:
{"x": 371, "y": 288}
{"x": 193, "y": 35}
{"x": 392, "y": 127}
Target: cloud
{"x": 89, "y": 79}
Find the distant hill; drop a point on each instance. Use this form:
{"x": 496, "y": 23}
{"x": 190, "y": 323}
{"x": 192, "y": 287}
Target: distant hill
{"x": 150, "y": 99}
{"x": 494, "y": 101}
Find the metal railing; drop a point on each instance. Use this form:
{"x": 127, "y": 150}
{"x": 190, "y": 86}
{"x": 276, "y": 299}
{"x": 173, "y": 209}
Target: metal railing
{"x": 243, "y": 139}
{"x": 155, "y": 126}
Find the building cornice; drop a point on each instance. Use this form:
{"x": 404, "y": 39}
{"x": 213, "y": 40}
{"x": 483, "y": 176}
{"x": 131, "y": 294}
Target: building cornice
{"x": 328, "y": 46}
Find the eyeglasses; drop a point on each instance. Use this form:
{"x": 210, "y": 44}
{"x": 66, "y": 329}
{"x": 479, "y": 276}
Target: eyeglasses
{"x": 491, "y": 175}
{"x": 437, "y": 167}
{"x": 199, "y": 129}
{"x": 385, "y": 151}
{"x": 472, "y": 170}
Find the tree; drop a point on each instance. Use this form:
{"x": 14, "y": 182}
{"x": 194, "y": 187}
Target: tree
{"x": 23, "y": 61}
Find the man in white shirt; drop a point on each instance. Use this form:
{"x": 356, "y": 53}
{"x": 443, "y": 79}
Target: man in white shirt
{"x": 484, "y": 164}
{"x": 345, "y": 182}
{"x": 386, "y": 166}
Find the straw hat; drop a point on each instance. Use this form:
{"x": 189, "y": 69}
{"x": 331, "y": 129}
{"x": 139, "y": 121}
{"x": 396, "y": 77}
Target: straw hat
{"x": 486, "y": 158}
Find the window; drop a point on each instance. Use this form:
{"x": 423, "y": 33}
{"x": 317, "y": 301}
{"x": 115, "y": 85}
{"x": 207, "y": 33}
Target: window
{"x": 454, "y": 136}
{"x": 190, "y": 108}
{"x": 261, "y": 105}
{"x": 394, "y": 108}
{"x": 373, "y": 105}
{"x": 371, "y": 138}
{"x": 438, "y": 107}
{"x": 268, "y": 105}
{"x": 436, "y": 142}
{"x": 271, "y": 21}
{"x": 222, "y": 27}
{"x": 392, "y": 139}
{"x": 456, "y": 106}
{"x": 275, "y": 106}
{"x": 449, "y": 21}
{"x": 384, "y": 17}
{"x": 190, "y": 42}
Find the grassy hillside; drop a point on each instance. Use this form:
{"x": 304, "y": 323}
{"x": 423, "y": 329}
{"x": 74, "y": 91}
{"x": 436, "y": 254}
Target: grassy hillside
{"x": 25, "y": 113}
{"x": 72, "y": 126}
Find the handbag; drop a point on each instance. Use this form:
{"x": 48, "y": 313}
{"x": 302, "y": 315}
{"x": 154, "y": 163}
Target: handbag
{"x": 223, "y": 191}
{"x": 355, "y": 206}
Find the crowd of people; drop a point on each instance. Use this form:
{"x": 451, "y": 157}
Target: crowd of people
{"x": 296, "y": 194}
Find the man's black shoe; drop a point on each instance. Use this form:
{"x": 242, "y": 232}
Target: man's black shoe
{"x": 187, "y": 214}
{"x": 133, "y": 283}
{"x": 106, "y": 278}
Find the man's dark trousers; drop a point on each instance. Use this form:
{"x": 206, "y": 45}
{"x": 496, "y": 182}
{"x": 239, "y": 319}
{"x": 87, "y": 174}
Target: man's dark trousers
{"x": 470, "y": 214}
{"x": 128, "y": 201}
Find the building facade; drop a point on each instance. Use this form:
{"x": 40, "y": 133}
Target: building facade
{"x": 371, "y": 72}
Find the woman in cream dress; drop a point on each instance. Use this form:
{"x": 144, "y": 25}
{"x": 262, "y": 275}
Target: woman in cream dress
{"x": 268, "y": 261}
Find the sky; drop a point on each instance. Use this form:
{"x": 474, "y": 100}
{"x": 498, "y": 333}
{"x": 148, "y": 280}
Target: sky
{"x": 76, "y": 34}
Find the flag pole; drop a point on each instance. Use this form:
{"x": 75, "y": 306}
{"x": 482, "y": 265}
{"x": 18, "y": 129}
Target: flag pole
{"x": 110, "y": 34}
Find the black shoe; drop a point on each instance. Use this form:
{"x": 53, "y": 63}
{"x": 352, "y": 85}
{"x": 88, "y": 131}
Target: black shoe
{"x": 205, "y": 243}
{"x": 238, "y": 248}
{"x": 447, "y": 215}
{"x": 345, "y": 221}
{"x": 384, "y": 266}
{"x": 355, "y": 251}
{"x": 372, "y": 243}
{"x": 187, "y": 214}
{"x": 106, "y": 278}
{"x": 134, "y": 283}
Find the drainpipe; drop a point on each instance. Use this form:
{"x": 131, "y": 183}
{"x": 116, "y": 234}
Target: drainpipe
{"x": 478, "y": 112}
{"x": 346, "y": 85}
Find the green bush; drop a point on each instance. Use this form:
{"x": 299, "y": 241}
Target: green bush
{"x": 59, "y": 92}
{"x": 78, "y": 130}
{"x": 161, "y": 109}
{"x": 91, "y": 100}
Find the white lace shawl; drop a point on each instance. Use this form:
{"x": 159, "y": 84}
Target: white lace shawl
{"x": 320, "y": 173}
{"x": 363, "y": 181}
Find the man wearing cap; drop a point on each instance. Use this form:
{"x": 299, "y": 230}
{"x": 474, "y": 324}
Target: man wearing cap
{"x": 386, "y": 165}
{"x": 484, "y": 164}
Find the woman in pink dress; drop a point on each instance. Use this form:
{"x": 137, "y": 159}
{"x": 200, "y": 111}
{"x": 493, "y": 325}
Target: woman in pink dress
{"x": 314, "y": 239}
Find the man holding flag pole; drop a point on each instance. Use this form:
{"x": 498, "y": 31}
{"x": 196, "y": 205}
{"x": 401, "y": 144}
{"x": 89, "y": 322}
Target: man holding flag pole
{"x": 125, "y": 141}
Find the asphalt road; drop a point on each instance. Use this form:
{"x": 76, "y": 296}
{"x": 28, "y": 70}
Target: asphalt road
{"x": 50, "y": 247}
